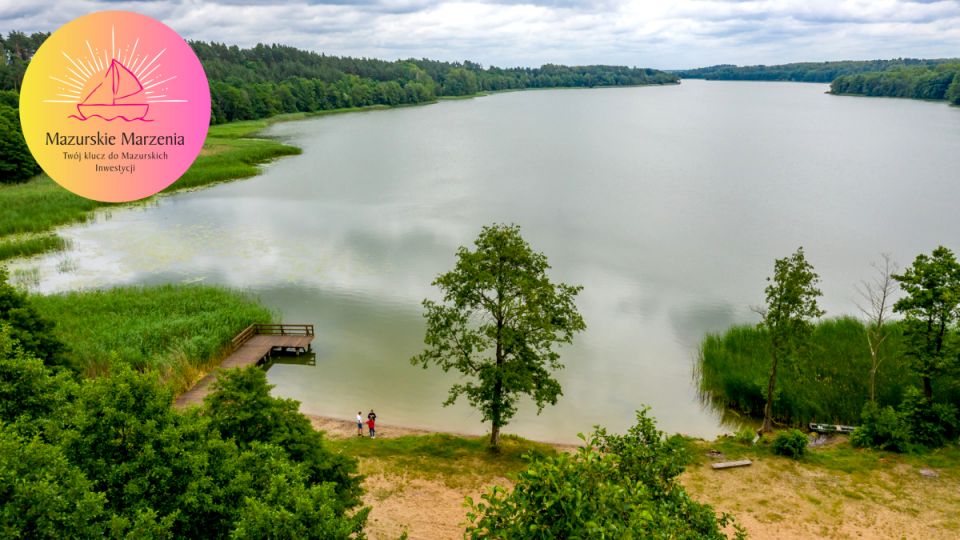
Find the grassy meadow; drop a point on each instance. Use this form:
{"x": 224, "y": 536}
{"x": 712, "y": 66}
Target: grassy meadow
{"x": 177, "y": 331}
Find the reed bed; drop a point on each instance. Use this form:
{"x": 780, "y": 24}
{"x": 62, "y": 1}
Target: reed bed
{"x": 826, "y": 381}
{"x": 176, "y": 331}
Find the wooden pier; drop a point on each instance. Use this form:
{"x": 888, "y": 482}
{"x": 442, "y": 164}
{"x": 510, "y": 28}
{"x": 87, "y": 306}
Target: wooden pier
{"x": 254, "y": 345}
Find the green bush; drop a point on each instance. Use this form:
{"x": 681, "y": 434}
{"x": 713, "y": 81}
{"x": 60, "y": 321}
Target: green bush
{"x": 881, "y": 428}
{"x": 928, "y": 423}
{"x": 616, "y": 486}
{"x": 919, "y": 421}
{"x": 792, "y": 444}
{"x": 746, "y": 435}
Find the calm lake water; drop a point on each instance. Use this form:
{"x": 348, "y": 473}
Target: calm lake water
{"x": 668, "y": 204}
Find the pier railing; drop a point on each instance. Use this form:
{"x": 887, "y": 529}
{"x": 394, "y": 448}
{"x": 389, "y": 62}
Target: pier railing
{"x": 271, "y": 330}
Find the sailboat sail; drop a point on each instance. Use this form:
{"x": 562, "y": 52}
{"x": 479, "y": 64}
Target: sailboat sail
{"x": 109, "y": 99}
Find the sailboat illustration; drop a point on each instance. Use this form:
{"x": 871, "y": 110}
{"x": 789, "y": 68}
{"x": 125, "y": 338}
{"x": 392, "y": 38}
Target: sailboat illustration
{"x": 116, "y": 96}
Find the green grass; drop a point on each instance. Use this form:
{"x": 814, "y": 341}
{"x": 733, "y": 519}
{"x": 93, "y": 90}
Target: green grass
{"x": 24, "y": 246}
{"x": 839, "y": 456}
{"x": 454, "y": 460}
{"x": 177, "y": 331}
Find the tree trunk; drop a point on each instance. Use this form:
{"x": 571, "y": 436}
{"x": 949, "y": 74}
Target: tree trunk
{"x": 873, "y": 383}
{"x": 767, "y": 426}
{"x": 927, "y": 387}
{"x": 495, "y": 438}
{"x": 497, "y": 395}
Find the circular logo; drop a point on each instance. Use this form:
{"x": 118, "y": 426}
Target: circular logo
{"x": 115, "y": 106}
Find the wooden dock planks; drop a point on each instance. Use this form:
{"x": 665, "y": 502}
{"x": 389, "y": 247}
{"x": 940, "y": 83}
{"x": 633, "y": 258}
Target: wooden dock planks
{"x": 251, "y": 349}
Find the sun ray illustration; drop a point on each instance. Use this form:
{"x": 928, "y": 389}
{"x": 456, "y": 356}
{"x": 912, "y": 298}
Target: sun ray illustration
{"x": 161, "y": 82}
{"x": 132, "y": 51}
{"x": 106, "y": 83}
{"x": 66, "y": 83}
{"x": 147, "y": 74}
{"x": 77, "y": 75}
{"x": 140, "y": 75}
{"x": 74, "y": 62}
{"x": 96, "y": 61}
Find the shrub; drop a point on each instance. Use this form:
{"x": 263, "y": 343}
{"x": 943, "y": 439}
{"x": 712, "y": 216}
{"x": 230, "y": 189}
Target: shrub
{"x": 792, "y": 444}
{"x": 746, "y": 435}
{"x": 880, "y": 427}
{"x": 616, "y": 486}
{"x": 928, "y": 423}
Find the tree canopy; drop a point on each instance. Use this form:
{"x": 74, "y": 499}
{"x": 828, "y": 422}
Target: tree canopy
{"x": 615, "y": 486}
{"x": 791, "y": 302}
{"x": 499, "y": 323}
{"x": 931, "y": 309}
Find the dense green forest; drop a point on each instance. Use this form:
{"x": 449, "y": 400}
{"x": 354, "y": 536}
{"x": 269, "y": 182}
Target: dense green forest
{"x": 822, "y": 72}
{"x": 940, "y": 81}
{"x": 266, "y": 80}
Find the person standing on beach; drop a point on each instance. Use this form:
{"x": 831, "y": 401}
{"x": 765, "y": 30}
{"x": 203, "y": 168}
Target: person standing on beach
{"x": 359, "y": 424}
{"x": 371, "y": 423}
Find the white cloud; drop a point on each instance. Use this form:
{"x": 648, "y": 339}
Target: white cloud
{"x": 685, "y": 33}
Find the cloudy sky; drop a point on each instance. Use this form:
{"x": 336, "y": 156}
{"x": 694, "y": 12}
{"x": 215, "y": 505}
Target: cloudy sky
{"x": 649, "y": 33}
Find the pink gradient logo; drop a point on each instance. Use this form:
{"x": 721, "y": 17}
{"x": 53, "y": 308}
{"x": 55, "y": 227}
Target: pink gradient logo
{"x": 109, "y": 66}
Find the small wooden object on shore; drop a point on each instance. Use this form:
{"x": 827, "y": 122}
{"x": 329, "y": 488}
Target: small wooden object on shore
{"x": 732, "y": 464}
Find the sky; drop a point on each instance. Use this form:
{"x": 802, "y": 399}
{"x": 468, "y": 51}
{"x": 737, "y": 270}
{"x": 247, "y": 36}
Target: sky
{"x": 643, "y": 33}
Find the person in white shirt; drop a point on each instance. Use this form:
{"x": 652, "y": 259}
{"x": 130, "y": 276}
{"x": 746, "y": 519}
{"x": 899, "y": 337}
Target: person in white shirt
{"x": 359, "y": 424}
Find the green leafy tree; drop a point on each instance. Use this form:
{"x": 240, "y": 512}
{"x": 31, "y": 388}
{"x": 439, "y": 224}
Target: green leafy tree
{"x": 791, "y": 302}
{"x": 499, "y": 323}
{"x": 33, "y": 332}
{"x": 16, "y": 161}
{"x": 930, "y": 312}
{"x": 242, "y": 409}
{"x": 42, "y": 495}
{"x": 615, "y": 486}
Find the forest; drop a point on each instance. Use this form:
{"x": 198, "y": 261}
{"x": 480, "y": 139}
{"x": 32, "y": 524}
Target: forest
{"x": 822, "y": 72}
{"x": 940, "y": 81}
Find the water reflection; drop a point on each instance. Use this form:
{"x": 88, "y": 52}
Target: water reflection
{"x": 669, "y": 205}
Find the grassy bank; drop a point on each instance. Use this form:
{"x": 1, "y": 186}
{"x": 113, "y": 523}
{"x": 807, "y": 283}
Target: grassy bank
{"x": 177, "y": 331}
{"x": 827, "y": 382}
{"x": 417, "y": 484}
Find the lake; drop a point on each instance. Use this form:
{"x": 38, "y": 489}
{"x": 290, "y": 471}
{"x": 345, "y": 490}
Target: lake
{"x": 668, "y": 204}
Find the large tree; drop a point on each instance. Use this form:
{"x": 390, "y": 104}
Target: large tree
{"x": 498, "y": 324}
{"x": 930, "y": 311}
{"x": 791, "y": 302}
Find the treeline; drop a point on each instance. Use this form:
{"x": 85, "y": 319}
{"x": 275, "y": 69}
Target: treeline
{"x": 940, "y": 81}
{"x": 822, "y": 72}
{"x": 266, "y": 80}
